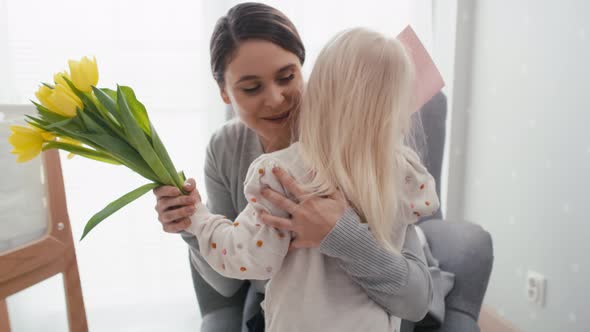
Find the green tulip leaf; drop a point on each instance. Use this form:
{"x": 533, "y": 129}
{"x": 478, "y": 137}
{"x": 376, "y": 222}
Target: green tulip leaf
{"x": 139, "y": 141}
{"x": 161, "y": 151}
{"x": 82, "y": 151}
{"x": 116, "y": 206}
{"x": 137, "y": 109}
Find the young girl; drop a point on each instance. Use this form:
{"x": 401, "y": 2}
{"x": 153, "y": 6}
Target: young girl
{"x": 352, "y": 128}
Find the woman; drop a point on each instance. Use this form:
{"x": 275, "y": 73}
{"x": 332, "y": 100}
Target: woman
{"x": 256, "y": 58}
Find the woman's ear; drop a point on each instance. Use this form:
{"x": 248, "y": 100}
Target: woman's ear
{"x": 224, "y": 95}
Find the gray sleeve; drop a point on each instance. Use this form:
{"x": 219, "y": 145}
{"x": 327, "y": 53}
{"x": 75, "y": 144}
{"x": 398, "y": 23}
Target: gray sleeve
{"x": 401, "y": 284}
{"x": 219, "y": 202}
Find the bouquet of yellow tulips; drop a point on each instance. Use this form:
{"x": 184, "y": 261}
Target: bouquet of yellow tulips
{"x": 106, "y": 125}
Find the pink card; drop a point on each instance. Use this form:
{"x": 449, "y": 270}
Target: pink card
{"x": 428, "y": 81}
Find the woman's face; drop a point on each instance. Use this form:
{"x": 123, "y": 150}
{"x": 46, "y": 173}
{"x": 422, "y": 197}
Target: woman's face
{"x": 263, "y": 84}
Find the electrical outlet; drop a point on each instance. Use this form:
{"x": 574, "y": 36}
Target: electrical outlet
{"x": 536, "y": 287}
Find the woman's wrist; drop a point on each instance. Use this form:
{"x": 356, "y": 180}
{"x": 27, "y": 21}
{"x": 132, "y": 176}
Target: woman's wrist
{"x": 347, "y": 229}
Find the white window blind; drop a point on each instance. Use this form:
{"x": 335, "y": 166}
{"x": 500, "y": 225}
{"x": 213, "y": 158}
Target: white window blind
{"x": 160, "y": 48}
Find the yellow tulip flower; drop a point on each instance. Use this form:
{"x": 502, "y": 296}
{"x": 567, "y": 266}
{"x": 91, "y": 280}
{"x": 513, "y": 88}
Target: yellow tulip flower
{"x": 43, "y": 94}
{"x": 60, "y": 88}
{"x": 84, "y": 73}
{"x": 59, "y": 78}
{"x": 27, "y": 143}
{"x": 60, "y": 100}
{"x": 47, "y": 136}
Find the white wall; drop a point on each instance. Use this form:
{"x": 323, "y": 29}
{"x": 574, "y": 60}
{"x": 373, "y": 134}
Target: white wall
{"x": 522, "y": 151}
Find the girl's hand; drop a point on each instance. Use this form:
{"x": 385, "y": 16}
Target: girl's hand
{"x": 175, "y": 209}
{"x": 311, "y": 220}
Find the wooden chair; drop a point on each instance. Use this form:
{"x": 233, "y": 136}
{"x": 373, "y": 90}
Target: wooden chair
{"x": 53, "y": 253}
{"x": 491, "y": 321}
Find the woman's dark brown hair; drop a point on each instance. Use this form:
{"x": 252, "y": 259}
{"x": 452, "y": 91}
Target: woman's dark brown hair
{"x": 251, "y": 21}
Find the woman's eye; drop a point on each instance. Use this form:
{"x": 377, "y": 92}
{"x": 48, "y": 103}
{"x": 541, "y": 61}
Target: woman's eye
{"x": 287, "y": 78}
{"x": 252, "y": 89}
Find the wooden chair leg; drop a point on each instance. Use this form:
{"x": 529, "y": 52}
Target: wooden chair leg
{"x": 4, "y": 321}
{"x": 74, "y": 299}
{"x": 491, "y": 321}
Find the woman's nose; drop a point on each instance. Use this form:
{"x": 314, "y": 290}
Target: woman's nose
{"x": 275, "y": 96}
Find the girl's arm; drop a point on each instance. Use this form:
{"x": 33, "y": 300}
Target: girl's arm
{"x": 244, "y": 248}
{"x": 219, "y": 202}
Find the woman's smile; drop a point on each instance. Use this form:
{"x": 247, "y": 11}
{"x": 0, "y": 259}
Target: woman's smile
{"x": 279, "y": 118}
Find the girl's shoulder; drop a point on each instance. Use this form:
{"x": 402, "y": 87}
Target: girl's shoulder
{"x": 419, "y": 194}
{"x": 411, "y": 161}
{"x": 288, "y": 159}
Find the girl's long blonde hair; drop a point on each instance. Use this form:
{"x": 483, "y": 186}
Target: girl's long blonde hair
{"x": 352, "y": 124}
